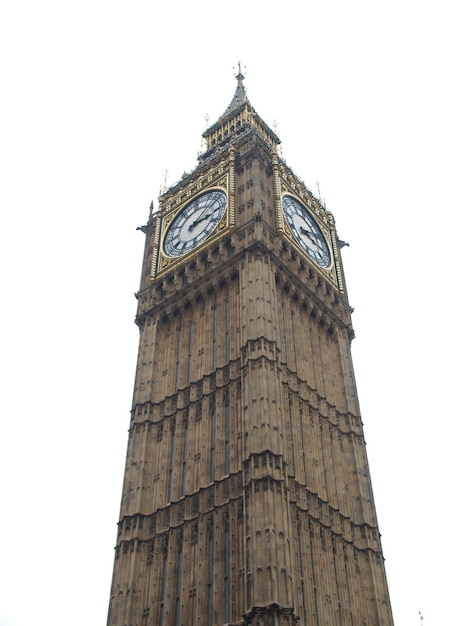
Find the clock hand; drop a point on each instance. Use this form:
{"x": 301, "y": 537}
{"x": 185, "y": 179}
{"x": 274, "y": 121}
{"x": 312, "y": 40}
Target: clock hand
{"x": 207, "y": 211}
{"x": 196, "y": 222}
{"x": 309, "y": 234}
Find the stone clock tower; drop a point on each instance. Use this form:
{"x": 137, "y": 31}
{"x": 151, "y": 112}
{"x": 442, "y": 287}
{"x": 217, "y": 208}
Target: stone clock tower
{"x": 247, "y": 496}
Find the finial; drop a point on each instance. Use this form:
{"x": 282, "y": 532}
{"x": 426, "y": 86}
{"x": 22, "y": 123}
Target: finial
{"x": 163, "y": 187}
{"x": 206, "y": 126}
{"x": 151, "y": 209}
{"x": 240, "y": 93}
{"x": 322, "y": 201}
{"x": 239, "y": 76}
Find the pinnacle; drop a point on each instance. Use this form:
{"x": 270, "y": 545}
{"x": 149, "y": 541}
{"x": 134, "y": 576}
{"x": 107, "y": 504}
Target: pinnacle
{"x": 239, "y": 96}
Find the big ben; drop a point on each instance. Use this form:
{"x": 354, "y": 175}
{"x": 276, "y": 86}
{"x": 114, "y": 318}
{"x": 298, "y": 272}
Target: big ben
{"x": 247, "y": 496}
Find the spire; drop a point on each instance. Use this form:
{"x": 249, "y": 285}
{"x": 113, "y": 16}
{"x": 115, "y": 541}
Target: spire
{"x": 238, "y": 119}
{"x": 239, "y": 96}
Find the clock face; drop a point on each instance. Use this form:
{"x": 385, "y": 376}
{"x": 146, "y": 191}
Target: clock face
{"x": 194, "y": 223}
{"x": 306, "y": 231}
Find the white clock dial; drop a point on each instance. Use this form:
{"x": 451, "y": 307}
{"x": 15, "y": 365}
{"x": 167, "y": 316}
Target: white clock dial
{"x": 306, "y": 231}
{"x": 194, "y": 223}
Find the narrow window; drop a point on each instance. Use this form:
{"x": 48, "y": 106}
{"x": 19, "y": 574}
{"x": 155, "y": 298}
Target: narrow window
{"x": 178, "y": 587}
{"x": 172, "y": 456}
{"x": 227, "y": 332}
{"x": 178, "y": 352}
{"x": 212, "y": 451}
{"x": 210, "y": 574}
{"x": 214, "y": 337}
{"x": 190, "y": 351}
{"x": 227, "y": 439}
{"x": 226, "y": 575}
{"x": 283, "y": 328}
{"x": 293, "y": 339}
{"x": 301, "y": 569}
{"x": 302, "y": 443}
{"x": 291, "y": 433}
{"x": 164, "y": 577}
{"x": 163, "y": 588}
{"x": 185, "y": 453}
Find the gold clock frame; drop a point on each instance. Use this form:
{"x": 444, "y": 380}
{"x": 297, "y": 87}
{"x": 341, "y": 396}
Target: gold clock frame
{"x": 220, "y": 178}
{"x": 287, "y": 184}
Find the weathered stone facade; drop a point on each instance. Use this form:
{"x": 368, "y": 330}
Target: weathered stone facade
{"x": 247, "y": 497}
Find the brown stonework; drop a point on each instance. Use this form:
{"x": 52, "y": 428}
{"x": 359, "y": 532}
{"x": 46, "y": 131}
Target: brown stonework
{"x": 247, "y": 497}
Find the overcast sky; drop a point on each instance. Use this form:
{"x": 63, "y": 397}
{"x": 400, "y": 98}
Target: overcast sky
{"x": 99, "y": 99}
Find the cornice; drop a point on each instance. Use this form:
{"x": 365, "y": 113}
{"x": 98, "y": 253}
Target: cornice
{"x": 313, "y": 291}
{"x": 145, "y": 528}
{"x": 213, "y": 268}
{"x": 217, "y": 266}
{"x": 190, "y": 284}
{"x": 148, "y": 414}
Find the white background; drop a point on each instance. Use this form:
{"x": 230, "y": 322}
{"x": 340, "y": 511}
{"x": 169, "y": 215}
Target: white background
{"x": 98, "y": 100}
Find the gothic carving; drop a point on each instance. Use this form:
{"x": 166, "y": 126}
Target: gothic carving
{"x": 194, "y": 534}
{"x": 246, "y": 481}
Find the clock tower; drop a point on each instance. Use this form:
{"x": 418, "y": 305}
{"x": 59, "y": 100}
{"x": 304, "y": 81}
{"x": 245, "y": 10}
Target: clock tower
{"x": 247, "y": 498}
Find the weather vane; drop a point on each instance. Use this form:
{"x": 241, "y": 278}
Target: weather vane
{"x": 240, "y": 70}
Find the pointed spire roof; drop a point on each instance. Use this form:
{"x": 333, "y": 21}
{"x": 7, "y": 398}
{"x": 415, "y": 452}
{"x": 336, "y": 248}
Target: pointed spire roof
{"x": 239, "y": 97}
{"x": 238, "y": 118}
